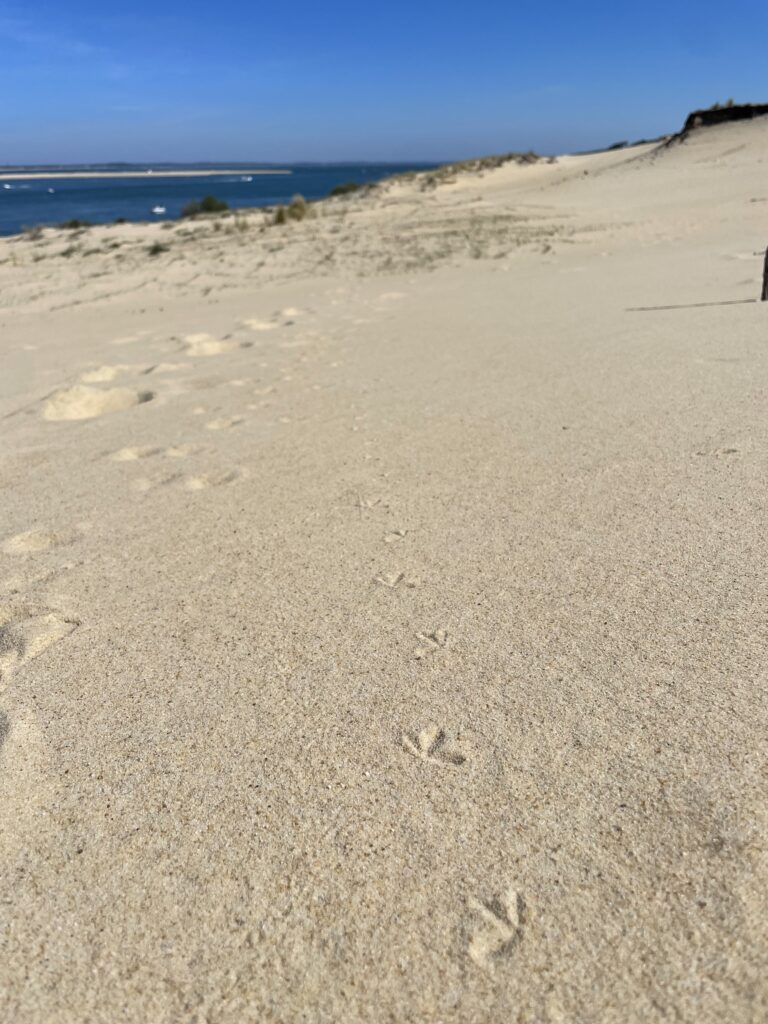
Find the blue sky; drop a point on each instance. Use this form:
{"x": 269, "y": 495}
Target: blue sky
{"x": 186, "y": 80}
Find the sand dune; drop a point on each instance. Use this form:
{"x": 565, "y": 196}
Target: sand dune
{"x": 412, "y": 664}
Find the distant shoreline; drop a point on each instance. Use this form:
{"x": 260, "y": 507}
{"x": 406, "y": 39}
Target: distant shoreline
{"x": 36, "y": 194}
{"x": 31, "y": 175}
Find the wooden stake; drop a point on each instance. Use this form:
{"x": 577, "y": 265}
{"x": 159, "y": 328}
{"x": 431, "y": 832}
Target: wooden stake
{"x": 764, "y": 296}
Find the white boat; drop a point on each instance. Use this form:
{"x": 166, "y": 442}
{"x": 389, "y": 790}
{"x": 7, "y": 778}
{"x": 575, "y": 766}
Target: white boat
{"x": 246, "y": 178}
{"x": 7, "y": 186}
{"x": 51, "y": 191}
{"x": 158, "y": 209}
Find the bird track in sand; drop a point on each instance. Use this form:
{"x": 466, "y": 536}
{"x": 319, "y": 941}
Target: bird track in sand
{"x": 132, "y": 454}
{"x": 431, "y": 744}
{"x": 500, "y": 930}
{"x": 198, "y": 482}
{"x": 395, "y": 579}
{"x": 431, "y": 642}
{"x": 26, "y": 634}
{"x": 394, "y": 536}
{"x": 225, "y": 423}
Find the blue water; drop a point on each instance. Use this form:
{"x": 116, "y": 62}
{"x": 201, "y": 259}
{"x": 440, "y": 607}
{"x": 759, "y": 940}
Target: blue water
{"x": 25, "y": 204}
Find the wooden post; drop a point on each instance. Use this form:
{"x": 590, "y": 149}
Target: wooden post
{"x": 764, "y": 296}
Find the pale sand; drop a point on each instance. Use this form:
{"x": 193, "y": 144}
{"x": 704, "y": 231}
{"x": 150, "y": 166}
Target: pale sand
{"x": 405, "y": 661}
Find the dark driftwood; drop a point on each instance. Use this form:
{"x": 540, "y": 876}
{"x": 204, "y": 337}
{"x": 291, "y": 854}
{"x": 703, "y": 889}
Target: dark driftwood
{"x": 764, "y": 296}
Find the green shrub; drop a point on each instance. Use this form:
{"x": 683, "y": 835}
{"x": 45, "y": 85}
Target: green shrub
{"x": 72, "y": 225}
{"x": 156, "y": 248}
{"x": 210, "y": 204}
{"x": 298, "y": 209}
{"x": 344, "y": 189}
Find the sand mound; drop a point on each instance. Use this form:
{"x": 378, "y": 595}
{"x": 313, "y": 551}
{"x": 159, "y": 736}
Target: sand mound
{"x": 133, "y": 453}
{"x": 261, "y": 325}
{"x": 207, "y": 345}
{"x": 106, "y": 374}
{"x": 33, "y": 541}
{"x": 83, "y": 403}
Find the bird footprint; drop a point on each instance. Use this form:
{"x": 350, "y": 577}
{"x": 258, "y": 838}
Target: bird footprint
{"x": 431, "y": 744}
{"x": 502, "y": 922}
{"x": 395, "y": 579}
{"x": 431, "y": 642}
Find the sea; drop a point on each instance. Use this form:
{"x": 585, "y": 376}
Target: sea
{"x": 153, "y": 196}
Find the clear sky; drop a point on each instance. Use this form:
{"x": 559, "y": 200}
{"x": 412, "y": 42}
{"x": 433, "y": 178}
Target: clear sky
{"x": 156, "y": 80}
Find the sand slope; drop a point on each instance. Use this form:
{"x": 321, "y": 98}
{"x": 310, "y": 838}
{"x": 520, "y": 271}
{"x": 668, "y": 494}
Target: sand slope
{"x": 404, "y": 658}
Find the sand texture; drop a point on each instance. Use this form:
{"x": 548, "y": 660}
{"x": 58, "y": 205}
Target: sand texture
{"x": 383, "y": 604}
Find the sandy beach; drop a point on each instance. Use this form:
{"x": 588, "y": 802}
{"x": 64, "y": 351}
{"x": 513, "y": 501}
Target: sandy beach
{"x": 382, "y": 603}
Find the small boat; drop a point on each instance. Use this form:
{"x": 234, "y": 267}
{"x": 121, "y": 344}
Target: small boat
{"x": 246, "y": 178}
{"x": 7, "y": 186}
{"x": 51, "y": 191}
{"x": 158, "y": 209}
